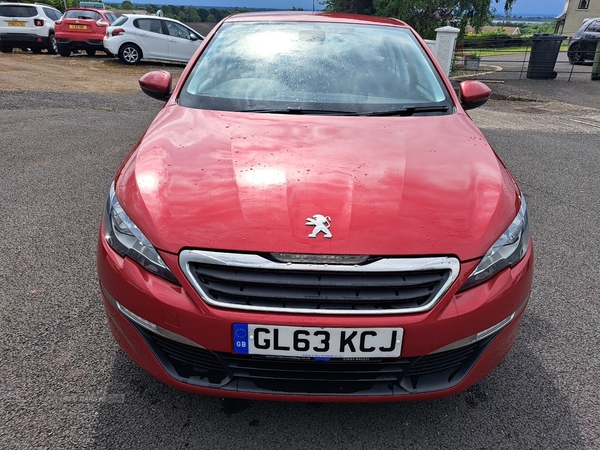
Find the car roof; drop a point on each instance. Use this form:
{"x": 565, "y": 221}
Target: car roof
{"x": 146, "y": 16}
{"x": 85, "y": 8}
{"x": 37, "y": 6}
{"x": 45, "y": 5}
{"x": 588, "y": 20}
{"x": 303, "y": 16}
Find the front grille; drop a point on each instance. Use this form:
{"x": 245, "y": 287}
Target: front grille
{"x": 380, "y": 286}
{"x": 258, "y": 374}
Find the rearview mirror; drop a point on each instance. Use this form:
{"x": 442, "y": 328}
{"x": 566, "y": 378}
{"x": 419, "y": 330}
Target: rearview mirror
{"x": 473, "y": 94}
{"x": 157, "y": 84}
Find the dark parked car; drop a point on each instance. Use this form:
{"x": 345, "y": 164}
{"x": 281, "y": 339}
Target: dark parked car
{"x": 584, "y": 41}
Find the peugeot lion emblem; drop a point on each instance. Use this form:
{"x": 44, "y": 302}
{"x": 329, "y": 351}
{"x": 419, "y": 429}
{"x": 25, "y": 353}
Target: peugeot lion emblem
{"x": 321, "y": 224}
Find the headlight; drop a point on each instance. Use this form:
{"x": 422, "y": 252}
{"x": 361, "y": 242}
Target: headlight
{"x": 507, "y": 251}
{"x": 127, "y": 240}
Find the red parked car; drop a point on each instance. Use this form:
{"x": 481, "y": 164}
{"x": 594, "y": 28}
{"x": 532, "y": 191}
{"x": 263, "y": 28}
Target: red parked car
{"x": 82, "y": 29}
{"x": 313, "y": 216}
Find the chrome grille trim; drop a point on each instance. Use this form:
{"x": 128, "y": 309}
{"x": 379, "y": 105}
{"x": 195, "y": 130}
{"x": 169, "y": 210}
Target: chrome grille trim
{"x": 187, "y": 258}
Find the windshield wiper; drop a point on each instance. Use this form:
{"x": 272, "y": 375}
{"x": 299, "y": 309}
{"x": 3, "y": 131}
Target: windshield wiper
{"x": 408, "y": 110}
{"x": 404, "y": 111}
{"x": 299, "y": 111}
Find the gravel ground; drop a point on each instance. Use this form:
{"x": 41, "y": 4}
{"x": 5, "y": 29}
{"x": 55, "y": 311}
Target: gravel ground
{"x": 25, "y": 71}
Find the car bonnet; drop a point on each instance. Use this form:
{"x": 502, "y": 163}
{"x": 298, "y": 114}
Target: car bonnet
{"x": 249, "y": 182}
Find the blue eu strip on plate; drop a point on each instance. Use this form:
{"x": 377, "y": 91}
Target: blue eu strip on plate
{"x": 240, "y": 338}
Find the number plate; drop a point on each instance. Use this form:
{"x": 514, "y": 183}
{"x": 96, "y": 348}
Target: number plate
{"x": 313, "y": 342}
{"x": 16, "y": 24}
{"x": 78, "y": 27}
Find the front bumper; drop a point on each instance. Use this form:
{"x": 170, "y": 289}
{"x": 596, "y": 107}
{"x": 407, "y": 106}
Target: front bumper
{"x": 183, "y": 342}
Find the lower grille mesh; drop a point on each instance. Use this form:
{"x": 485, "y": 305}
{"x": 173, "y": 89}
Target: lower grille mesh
{"x": 390, "y": 376}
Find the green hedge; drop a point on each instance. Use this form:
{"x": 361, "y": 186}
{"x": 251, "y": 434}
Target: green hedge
{"x": 493, "y": 41}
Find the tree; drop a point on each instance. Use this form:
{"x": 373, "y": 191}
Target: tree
{"x": 349, "y": 6}
{"x": 203, "y": 13}
{"x": 425, "y": 15}
{"x": 127, "y": 5}
{"x": 216, "y": 14}
{"x": 58, "y": 4}
{"x": 192, "y": 14}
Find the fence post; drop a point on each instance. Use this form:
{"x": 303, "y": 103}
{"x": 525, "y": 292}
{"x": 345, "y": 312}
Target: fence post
{"x": 431, "y": 45}
{"x": 444, "y": 46}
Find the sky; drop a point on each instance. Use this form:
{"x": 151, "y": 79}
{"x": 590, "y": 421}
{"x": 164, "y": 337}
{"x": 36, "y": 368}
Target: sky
{"x": 521, "y": 7}
{"x": 307, "y": 5}
{"x": 534, "y": 7}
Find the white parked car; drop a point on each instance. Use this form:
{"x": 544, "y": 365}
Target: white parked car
{"x": 28, "y": 26}
{"x": 133, "y": 37}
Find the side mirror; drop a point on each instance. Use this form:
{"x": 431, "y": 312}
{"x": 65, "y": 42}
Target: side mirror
{"x": 157, "y": 84}
{"x": 473, "y": 94}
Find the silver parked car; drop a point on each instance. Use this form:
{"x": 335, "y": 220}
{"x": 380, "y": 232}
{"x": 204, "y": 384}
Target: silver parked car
{"x": 133, "y": 37}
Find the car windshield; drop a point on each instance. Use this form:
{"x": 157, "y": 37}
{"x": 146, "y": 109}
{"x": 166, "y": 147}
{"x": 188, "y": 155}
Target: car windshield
{"x": 314, "y": 67}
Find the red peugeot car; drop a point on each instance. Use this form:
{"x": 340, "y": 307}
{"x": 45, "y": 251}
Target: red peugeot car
{"x": 312, "y": 216}
{"x": 82, "y": 29}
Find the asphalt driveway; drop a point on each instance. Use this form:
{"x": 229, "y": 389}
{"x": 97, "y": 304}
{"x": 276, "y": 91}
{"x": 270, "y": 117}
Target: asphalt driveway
{"x": 66, "y": 384}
